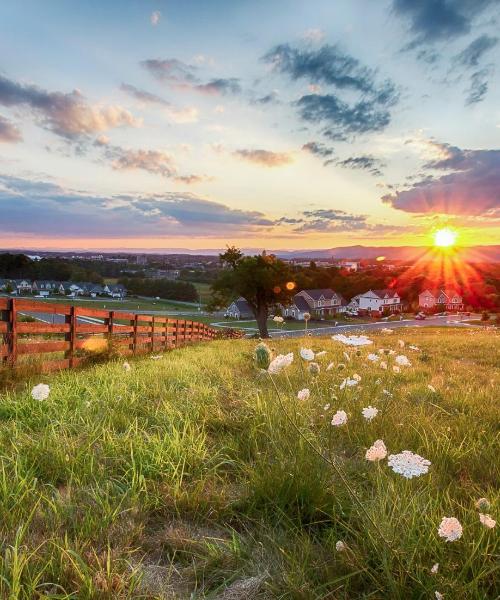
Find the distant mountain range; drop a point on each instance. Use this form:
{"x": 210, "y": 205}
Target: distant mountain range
{"x": 472, "y": 254}
{"x": 410, "y": 253}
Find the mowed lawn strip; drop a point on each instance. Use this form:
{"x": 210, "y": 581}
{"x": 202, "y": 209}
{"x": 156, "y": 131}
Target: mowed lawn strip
{"x": 185, "y": 474}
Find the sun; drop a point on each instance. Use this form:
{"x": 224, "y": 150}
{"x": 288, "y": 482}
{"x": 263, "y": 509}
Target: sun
{"x": 445, "y": 238}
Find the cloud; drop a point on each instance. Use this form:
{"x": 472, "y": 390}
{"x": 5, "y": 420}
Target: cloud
{"x": 366, "y": 105}
{"x": 470, "y": 186}
{"x": 9, "y": 132}
{"x": 439, "y": 20}
{"x": 314, "y": 35}
{"x": 265, "y": 158}
{"x": 472, "y": 54}
{"x": 151, "y": 161}
{"x": 478, "y": 86}
{"x": 41, "y": 208}
{"x": 66, "y": 114}
{"x": 341, "y": 119}
{"x": 339, "y": 221}
{"x": 155, "y": 18}
{"x": 185, "y": 77}
{"x": 365, "y": 162}
{"x": 318, "y": 149}
{"x": 188, "y": 114}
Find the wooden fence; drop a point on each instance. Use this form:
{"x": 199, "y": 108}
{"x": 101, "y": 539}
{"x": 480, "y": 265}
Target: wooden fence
{"x": 62, "y": 336}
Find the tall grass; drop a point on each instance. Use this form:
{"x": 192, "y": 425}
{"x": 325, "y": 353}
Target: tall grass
{"x": 186, "y": 476}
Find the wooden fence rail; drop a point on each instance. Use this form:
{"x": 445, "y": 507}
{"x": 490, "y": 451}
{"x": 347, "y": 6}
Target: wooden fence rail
{"x": 63, "y": 335}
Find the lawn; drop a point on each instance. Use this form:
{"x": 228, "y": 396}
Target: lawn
{"x": 136, "y": 304}
{"x": 197, "y": 475}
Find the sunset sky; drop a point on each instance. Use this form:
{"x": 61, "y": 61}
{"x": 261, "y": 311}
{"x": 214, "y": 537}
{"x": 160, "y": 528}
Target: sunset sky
{"x": 153, "y": 124}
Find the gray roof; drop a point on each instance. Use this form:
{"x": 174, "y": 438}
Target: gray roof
{"x": 386, "y": 292}
{"x": 327, "y": 293}
{"x": 301, "y": 303}
{"x": 243, "y": 306}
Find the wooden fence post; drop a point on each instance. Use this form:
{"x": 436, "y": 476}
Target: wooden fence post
{"x": 71, "y": 336}
{"x": 12, "y": 332}
{"x": 111, "y": 320}
{"x": 134, "y": 342}
{"x": 153, "y": 328}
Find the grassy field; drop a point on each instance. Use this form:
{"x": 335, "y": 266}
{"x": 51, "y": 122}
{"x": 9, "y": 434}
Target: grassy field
{"x": 136, "y": 304}
{"x": 197, "y": 475}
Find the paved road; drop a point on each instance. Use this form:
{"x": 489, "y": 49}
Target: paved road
{"x": 448, "y": 321}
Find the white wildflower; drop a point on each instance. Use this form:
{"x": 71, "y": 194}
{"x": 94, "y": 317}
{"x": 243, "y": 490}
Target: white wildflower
{"x": 450, "y": 529}
{"x": 432, "y": 388}
{"x": 402, "y": 361}
{"x": 438, "y": 596}
{"x": 127, "y": 367}
{"x": 369, "y": 413}
{"x": 386, "y": 330}
{"x": 40, "y": 392}
{"x": 340, "y": 546}
{"x": 352, "y": 340}
{"x": 278, "y": 319}
{"x": 349, "y": 383}
{"x": 387, "y": 393}
{"x": 435, "y": 568}
{"x": 279, "y": 363}
{"x": 156, "y": 357}
{"x": 304, "y": 394}
{"x": 373, "y": 357}
{"x": 330, "y": 366}
{"x": 408, "y": 464}
{"x": 339, "y": 418}
{"x": 326, "y": 407}
{"x": 376, "y": 452}
{"x": 416, "y": 348}
{"x": 356, "y": 377}
{"x": 383, "y": 364}
{"x": 487, "y": 521}
{"x": 307, "y": 354}
{"x": 401, "y": 343}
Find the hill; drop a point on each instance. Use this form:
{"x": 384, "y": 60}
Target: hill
{"x": 196, "y": 472}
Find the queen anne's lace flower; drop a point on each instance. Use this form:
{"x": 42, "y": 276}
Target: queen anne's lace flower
{"x": 352, "y": 340}
{"x": 369, "y": 413}
{"x": 439, "y": 596}
{"x": 402, "y": 361}
{"x": 383, "y": 364}
{"x": 280, "y": 362}
{"x": 435, "y": 568}
{"x": 304, "y": 394}
{"x": 373, "y": 357}
{"x": 307, "y": 354}
{"x": 487, "y": 521}
{"x": 483, "y": 504}
{"x": 127, "y": 367}
{"x": 326, "y": 407}
{"x": 396, "y": 369}
{"x": 349, "y": 383}
{"x": 376, "y": 452}
{"x": 450, "y": 529}
{"x": 339, "y": 418}
{"x": 40, "y": 392}
{"x": 408, "y": 464}
{"x": 278, "y": 319}
{"x": 340, "y": 546}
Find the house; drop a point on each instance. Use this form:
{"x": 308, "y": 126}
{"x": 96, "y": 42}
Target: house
{"x": 42, "y": 285}
{"x": 318, "y": 303}
{"x": 297, "y": 309}
{"x": 322, "y": 302}
{"x": 447, "y": 298}
{"x": 68, "y": 288}
{"x": 115, "y": 291}
{"x": 350, "y": 265}
{"x": 379, "y": 301}
{"x": 22, "y": 286}
{"x": 239, "y": 309}
{"x": 354, "y": 303}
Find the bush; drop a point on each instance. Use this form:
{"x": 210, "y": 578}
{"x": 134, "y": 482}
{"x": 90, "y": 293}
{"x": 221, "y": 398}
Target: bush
{"x": 485, "y": 316}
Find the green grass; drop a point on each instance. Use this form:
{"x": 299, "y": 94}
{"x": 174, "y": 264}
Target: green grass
{"x": 127, "y": 304}
{"x": 186, "y": 475}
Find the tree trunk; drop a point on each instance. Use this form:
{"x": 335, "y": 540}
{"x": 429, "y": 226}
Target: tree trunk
{"x": 261, "y": 317}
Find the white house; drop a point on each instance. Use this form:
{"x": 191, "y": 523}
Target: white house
{"x": 239, "y": 309}
{"x": 350, "y": 265}
{"x": 380, "y": 300}
{"x": 297, "y": 309}
{"x": 449, "y": 299}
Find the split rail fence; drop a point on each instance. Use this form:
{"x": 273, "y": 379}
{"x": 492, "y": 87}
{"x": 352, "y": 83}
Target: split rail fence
{"x": 61, "y": 336}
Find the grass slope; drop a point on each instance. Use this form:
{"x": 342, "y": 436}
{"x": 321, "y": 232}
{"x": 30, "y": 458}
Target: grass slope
{"x": 184, "y": 478}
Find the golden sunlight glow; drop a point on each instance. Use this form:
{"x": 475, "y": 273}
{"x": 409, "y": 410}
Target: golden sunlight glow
{"x": 445, "y": 238}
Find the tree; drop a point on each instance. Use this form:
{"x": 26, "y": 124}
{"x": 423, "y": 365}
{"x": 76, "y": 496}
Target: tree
{"x": 263, "y": 281}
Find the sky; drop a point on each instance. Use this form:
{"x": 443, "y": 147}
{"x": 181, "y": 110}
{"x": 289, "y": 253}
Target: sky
{"x": 278, "y": 124}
